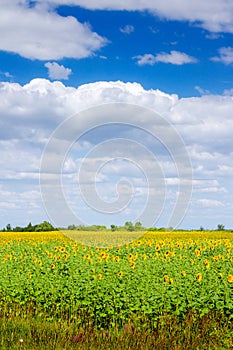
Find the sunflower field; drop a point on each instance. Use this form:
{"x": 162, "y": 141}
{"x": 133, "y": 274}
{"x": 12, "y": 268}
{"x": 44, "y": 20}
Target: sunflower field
{"x": 51, "y": 276}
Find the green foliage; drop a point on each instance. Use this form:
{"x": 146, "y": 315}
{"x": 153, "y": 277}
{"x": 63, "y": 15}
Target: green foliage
{"x": 44, "y": 226}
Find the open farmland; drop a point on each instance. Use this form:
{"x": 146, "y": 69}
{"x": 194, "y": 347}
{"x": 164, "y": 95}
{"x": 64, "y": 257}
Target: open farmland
{"x": 159, "y": 280}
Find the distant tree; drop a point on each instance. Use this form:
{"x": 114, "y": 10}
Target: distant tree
{"x": 138, "y": 226}
{"x": 44, "y": 226}
{"x": 71, "y": 227}
{"x": 8, "y": 227}
{"x": 201, "y": 228}
{"x": 129, "y": 226}
{"x": 113, "y": 228}
{"x": 220, "y": 227}
{"x": 29, "y": 228}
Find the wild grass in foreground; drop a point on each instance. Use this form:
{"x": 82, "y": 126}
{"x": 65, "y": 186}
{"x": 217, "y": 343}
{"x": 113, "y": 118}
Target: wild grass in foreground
{"x": 28, "y": 333}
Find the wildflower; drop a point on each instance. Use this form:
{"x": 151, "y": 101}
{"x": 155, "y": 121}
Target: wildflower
{"x": 230, "y": 278}
{"x": 120, "y": 274}
{"x": 199, "y": 277}
{"x": 100, "y": 276}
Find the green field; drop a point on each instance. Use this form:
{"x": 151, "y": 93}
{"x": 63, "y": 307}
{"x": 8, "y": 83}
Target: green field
{"x": 160, "y": 291}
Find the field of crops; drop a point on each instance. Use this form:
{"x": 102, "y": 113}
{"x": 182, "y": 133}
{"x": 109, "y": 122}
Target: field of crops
{"x": 50, "y": 275}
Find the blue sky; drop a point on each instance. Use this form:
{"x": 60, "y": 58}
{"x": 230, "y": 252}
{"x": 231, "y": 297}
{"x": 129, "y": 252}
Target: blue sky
{"x": 60, "y": 57}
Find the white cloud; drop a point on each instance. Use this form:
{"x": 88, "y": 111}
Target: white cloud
{"x": 202, "y": 91}
{"x": 43, "y": 34}
{"x": 225, "y": 55}
{"x": 213, "y": 15}
{"x": 210, "y": 203}
{"x": 228, "y": 92}
{"x": 174, "y": 57}
{"x": 30, "y": 113}
{"x": 6, "y": 74}
{"x": 128, "y": 29}
{"x": 57, "y": 71}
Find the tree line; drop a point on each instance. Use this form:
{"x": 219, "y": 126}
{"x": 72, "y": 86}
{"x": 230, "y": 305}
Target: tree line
{"x": 42, "y": 227}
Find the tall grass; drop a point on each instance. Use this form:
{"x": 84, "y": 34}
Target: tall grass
{"x": 29, "y": 332}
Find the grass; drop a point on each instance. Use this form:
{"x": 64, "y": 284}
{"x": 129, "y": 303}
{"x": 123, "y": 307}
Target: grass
{"x": 24, "y": 333}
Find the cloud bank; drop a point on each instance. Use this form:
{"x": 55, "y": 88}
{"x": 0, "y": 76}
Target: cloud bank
{"x": 30, "y": 113}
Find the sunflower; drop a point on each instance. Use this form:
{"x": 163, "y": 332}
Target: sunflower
{"x": 199, "y": 277}
{"x": 100, "y": 276}
{"x": 120, "y": 274}
{"x": 166, "y": 278}
{"x": 230, "y": 278}
{"x": 52, "y": 266}
{"x": 132, "y": 265}
{"x": 197, "y": 252}
{"x": 207, "y": 264}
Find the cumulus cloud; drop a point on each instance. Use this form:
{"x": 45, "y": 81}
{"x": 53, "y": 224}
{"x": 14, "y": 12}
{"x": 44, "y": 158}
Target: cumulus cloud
{"x": 128, "y": 29}
{"x": 30, "y": 113}
{"x": 213, "y": 15}
{"x": 225, "y": 55}
{"x": 43, "y": 34}
{"x": 174, "y": 57}
{"x": 57, "y": 71}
